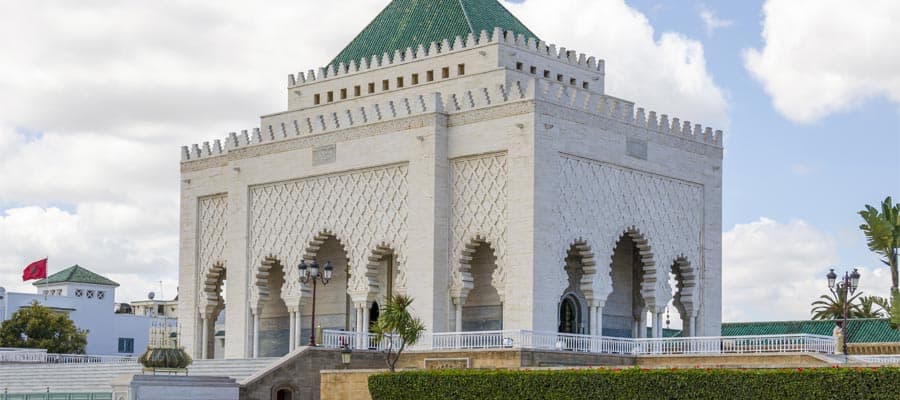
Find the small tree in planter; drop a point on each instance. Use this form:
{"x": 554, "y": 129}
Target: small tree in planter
{"x": 397, "y": 325}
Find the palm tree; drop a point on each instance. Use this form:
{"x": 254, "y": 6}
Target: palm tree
{"x": 867, "y": 304}
{"x": 882, "y": 230}
{"x": 832, "y": 306}
{"x": 398, "y": 326}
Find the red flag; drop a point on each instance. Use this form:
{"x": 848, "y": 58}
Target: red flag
{"x": 35, "y": 270}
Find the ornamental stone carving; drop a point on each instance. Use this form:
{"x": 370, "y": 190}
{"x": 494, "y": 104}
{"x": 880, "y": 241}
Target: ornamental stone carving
{"x": 478, "y": 214}
{"x": 362, "y": 209}
{"x": 600, "y": 202}
{"x": 212, "y": 222}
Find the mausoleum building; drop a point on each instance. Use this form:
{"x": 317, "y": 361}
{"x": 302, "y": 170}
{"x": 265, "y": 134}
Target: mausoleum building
{"x": 449, "y": 154}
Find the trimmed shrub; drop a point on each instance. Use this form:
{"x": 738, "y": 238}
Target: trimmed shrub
{"x": 634, "y": 383}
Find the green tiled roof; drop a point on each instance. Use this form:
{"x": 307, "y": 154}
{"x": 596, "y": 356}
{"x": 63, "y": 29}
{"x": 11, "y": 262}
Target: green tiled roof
{"x": 76, "y": 274}
{"x": 409, "y": 23}
{"x": 858, "y": 330}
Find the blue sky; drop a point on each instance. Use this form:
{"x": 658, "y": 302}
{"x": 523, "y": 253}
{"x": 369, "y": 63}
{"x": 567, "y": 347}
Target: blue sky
{"x": 821, "y": 172}
{"x": 100, "y": 98}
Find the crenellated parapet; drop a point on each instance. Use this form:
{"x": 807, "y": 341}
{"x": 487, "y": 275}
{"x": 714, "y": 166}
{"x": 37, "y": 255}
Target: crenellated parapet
{"x": 337, "y": 116}
{"x": 434, "y": 49}
{"x": 326, "y": 119}
{"x": 624, "y": 111}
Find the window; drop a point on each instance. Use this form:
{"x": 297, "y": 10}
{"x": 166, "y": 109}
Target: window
{"x": 573, "y": 82}
{"x": 385, "y": 85}
{"x": 357, "y": 91}
{"x": 399, "y": 82}
{"x": 343, "y": 94}
{"x": 586, "y": 85}
{"x": 126, "y": 345}
{"x": 559, "y": 77}
{"x": 317, "y": 99}
{"x": 101, "y": 294}
{"x": 79, "y": 292}
{"x": 461, "y": 69}
{"x": 546, "y": 74}
{"x": 519, "y": 66}
{"x": 429, "y": 76}
{"x": 371, "y": 87}
{"x": 415, "y": 79}
{"x": 445, "y": 72}
{"x": 90, "y": 294}
{"x": 161, "y": 310}
{"x": 330, "y": 96}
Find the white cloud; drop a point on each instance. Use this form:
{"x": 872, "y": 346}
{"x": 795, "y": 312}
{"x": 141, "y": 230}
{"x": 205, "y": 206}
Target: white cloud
{"x": 667, "y": 74}
{"x": 126, "y": 244}
{"x": 712, "y": 22}
{"x": 98, "y": 99}
{"x": 826, "y": 56}
{"x": 773, "y": 271}
{"x": 800, "y": 169}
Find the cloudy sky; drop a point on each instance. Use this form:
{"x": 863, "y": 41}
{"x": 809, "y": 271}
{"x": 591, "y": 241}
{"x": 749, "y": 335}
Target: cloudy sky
{"x": 96, "y": 97}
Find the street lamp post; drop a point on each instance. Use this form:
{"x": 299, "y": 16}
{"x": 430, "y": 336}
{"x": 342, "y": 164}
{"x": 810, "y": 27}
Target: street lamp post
{"x": 310, "y": 272}
{"x": 843, "y": 288}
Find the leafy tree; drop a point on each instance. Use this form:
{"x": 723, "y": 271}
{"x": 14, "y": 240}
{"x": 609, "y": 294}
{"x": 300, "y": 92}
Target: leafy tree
{"x": 38, "y": 327}
{"x": 396, "y": 324}
{"x": 867, "y": 307}
{"x": 882, "y": 230}
{"x": 830, "y": 306}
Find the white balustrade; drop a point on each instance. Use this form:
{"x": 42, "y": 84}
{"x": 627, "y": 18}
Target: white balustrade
{"x": 40, "y": 356}
{"x": 886, "y": 359}
{"x": 524, "y": 339}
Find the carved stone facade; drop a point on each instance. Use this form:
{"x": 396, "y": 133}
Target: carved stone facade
{"x": 506, "y": 193}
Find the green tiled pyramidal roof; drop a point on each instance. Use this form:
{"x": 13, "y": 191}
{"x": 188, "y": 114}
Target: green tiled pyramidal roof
{"x": 858, "y": 330}
{"x": 409, "y": 23}
{"x": 76, "y": 274}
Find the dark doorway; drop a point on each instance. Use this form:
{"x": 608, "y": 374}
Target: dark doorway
{"x": 373, "y": 313}
{"x": 569, "y": 315}
{"x": 284, "y": 394}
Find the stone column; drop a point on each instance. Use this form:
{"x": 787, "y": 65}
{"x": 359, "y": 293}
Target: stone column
{"x": 256, "y": 333}
{"x": 457, "y": 309}
{"x": 657, "y": 325}
{"x": 292, "y": 335}
{"x": 204, "y": 334}
{"x": 642, "y": 325}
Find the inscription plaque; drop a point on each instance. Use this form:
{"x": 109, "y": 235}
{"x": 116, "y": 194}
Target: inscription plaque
{"x": 324, "y": 154}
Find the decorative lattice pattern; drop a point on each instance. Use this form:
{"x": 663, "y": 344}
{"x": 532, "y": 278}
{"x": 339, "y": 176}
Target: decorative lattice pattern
{"x": 601, "y": 202}
{"x": 212, "y": 242}
{"x": 478, "y": 214}
{"x": 363, "y": 209}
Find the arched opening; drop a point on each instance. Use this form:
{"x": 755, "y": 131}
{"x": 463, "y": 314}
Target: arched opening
{"x": 570, "y": 315}
{"x": 333, "y": 304}
{"x": 482, "y": 310}
{"x": 274, "y": 320}
{"x": 284, "y": 394}
{"x": 573, "y": 299}
{"x": 682, "y": 280}
{"x": 625, "y": 313}
{"x": 214, "y": 320}
{"x": 374, "y": 312}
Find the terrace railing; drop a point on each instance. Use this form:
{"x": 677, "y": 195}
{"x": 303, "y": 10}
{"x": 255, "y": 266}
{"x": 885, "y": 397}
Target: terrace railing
{"x": 40, "y": 356}
{"x": 525, "y": 339}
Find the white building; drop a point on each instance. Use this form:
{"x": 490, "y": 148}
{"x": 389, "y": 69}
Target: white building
{"x": 89, "y": 301}
{"x": 448, "y": 154}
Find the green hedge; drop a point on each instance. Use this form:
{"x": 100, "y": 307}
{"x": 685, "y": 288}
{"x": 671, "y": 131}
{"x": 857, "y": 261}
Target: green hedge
{"x": 633, "y": 383}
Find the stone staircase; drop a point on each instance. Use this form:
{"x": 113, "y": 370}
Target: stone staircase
{"x": 96, "y": 378}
